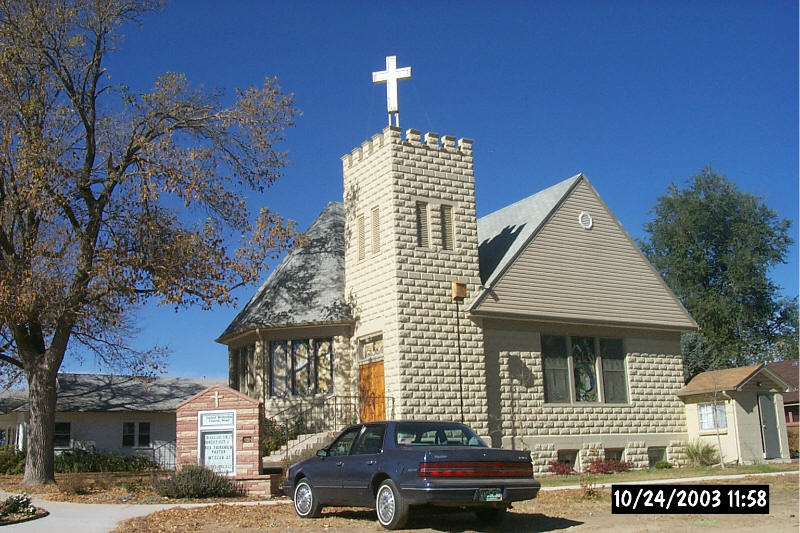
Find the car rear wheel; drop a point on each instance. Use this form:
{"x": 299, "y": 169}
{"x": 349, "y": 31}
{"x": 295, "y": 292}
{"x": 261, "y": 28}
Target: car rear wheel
{"x": 490, "y": 515}
{"x": 306, "y": 504}
{"x": 391, "y": 506}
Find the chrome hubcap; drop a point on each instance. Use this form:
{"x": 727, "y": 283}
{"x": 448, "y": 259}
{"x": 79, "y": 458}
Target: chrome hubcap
{"x": 302, "y": 498}
{"x": 385, "y": 505}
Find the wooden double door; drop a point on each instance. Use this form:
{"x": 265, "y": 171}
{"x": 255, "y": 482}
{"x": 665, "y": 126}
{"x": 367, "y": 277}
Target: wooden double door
{"x": 372, "y": 392}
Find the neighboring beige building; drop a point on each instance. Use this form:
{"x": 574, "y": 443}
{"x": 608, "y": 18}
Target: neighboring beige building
{"x": 567, "y": 341}
{"x": 740, "y": 411}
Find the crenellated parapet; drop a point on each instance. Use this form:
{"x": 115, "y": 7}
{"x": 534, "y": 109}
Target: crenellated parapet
{"x": 393, "y": 135}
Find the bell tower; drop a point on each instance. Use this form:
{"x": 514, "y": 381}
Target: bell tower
{"x": 410, "y": 233}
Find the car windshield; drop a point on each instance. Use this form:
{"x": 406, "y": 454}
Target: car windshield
{"x": 435, "y": 434}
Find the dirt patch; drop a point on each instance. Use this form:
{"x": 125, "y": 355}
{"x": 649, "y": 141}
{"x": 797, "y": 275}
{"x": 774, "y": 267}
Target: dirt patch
{"x": 551, "y": 511}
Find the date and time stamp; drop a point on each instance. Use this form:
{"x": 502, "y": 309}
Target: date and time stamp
{"x": 689, "y": 499}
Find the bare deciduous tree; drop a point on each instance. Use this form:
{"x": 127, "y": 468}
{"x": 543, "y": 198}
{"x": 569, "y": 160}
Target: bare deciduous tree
{"x": 108, "y": 198}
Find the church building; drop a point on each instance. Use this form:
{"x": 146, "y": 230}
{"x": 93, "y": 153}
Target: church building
{"x": 541, "y": 325}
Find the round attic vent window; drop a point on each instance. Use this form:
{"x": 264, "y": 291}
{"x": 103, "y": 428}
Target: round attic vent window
{"x": 585, "y": 220}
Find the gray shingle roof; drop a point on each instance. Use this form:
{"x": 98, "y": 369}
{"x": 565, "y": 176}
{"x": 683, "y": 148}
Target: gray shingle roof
{"x": 105, "y": 392}
{"x": 307, "y": 287}
{"x": 503, "y": 234}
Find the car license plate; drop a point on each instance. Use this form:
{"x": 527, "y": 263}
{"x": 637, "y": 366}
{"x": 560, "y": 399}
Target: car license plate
{"x": 490, "y": 495}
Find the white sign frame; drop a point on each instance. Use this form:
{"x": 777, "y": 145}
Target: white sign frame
{"x": 201, "y": 429}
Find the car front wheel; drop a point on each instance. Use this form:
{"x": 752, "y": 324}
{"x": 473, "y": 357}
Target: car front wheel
{"x": 391, "y": 506}
{"x": 306, "y": 504}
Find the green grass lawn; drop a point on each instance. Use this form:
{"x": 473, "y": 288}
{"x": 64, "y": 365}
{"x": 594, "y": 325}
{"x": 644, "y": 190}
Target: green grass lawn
{"x": 668, "y": 473}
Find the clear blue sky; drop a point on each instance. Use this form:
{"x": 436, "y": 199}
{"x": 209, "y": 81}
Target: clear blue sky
{"x": 636, "y": 95}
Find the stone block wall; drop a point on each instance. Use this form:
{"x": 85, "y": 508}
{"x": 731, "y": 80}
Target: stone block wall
{"x": 653, "y": 416}
{"x": 636, "y": 453}
{"x": 676, "y": 453}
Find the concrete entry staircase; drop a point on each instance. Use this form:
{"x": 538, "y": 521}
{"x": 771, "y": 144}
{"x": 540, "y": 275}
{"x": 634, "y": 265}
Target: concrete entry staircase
{"x": 294, "y": 450}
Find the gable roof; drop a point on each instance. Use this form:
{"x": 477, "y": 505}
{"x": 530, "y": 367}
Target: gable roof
{"x": 503, "y": 234}
{"x": 728, "y": 379}
{"x": 307, "y": 286}
{"x": 538, "y": 262}
{"x": 788, "y": 372}
{"x": 113, "y": 393}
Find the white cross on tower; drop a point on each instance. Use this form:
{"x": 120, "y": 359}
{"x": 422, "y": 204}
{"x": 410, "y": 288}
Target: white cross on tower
{"x": 390, "y": 76}
{"x": 216, "y": 398}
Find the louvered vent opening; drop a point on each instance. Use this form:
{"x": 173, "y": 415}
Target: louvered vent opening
{"x": 376, "y": 230}
{"x": 361, "y": 243}
{"x": 422, "y": 225}
{"x": 448, "y": 237}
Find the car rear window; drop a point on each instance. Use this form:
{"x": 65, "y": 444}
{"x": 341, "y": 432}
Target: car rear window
{"x": 435, "y": 434}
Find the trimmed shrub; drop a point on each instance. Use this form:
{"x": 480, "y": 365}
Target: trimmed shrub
{"x": 74, "y": 484}
{"x": 560, "y": 468}
{"x": 702, "y": 453}
{"x": 194, "y": 481}
{"x": 276, "y": 434}
{"x": 11, "y": 461}
{"x": 19, "y": 503}
{"x": 794, "y": 444}
{"x": 83, "y": 461}
{"x": 661, "y": 465}
{"x": 608, "y": 466}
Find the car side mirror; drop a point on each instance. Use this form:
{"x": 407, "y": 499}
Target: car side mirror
{"x": 322, "y": 453}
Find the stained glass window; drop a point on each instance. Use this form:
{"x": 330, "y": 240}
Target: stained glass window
{"x": 371, "y": 347}
{"x": 556, "y": 370}
{"x": 278, "y": 364}
{"x": 584, "y": 369}
{"x": 302, "y": 369}
{"x": 324, "y": 366}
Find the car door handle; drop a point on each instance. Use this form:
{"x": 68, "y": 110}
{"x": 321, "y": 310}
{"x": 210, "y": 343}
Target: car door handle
{"x": 340, "y": 463}
{"x": 371, "y": 462}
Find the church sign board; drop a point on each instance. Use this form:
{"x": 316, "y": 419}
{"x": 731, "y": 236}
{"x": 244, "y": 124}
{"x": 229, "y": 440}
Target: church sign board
{"x": 220, "y": 428}
{"x": 216, "y": 432}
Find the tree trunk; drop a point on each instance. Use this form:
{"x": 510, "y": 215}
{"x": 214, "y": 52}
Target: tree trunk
{"x": 41, "y": 425}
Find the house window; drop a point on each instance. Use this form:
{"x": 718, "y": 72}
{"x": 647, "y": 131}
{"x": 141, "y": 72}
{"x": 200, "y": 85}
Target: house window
{"x": 144, "y": 434}
{"x": 423, "y": 240}
{"x": 708, "y": 421}
{"x": 575, "y": 367}
{"x": 361, "y": 244}
{"x": 128, "y": 433}
{"x": 132, "y": 437}
{"x": 448, "y": 236}
{"x": 62, "y": 435}
{"x": 301, "y": 367}
{"x": 656, "y": 454}
{"x": 568, "y": 457}
{"x": 614, "y": 454}
{"x": 376, "y": 231}
{"x": 556, "y": 368}
{"x": 615, "y": 389}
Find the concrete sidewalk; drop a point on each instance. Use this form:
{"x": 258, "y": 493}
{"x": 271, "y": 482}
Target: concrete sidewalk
{"x": 68, "y": 517}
